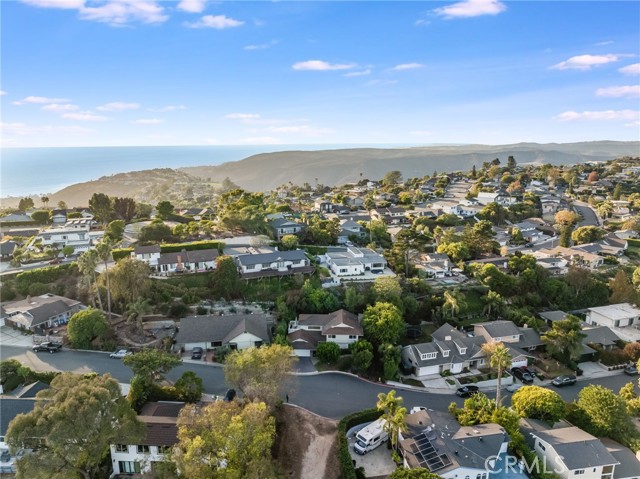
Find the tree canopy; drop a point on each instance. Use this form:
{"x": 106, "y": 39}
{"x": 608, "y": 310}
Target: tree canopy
{"x": 151, "y": 364}
{"x": 564, "y": 339}
{"x": 85, "y": 326}
{"x": 383, "y": 323}
{"x": 538, "y": 403}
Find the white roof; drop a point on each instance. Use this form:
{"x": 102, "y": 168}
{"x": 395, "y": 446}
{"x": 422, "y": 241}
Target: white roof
{"x": 617, "y": 311}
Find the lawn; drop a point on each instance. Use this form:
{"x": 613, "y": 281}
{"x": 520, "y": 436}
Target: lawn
{"x": 425, "y": 337}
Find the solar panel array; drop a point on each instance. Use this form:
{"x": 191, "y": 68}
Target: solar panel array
{"x": 427, "y": 455}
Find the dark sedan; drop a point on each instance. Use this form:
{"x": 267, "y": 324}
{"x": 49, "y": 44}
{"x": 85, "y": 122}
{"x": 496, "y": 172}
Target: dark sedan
{"x": 564, "y": 380}
{"x": 196, "y": 353}
{"x": 467, "y": 391}
{"x": 47, "y": 347}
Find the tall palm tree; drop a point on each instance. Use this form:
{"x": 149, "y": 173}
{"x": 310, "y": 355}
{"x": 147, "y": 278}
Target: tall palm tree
{"x": 394, "y": 415}
{"x": 137, "y": 310}
{"x": 500, "y": 359}
{"x": 87, "y": 263}
{"x": 450, "y": 303}
{"x": 103, "y": 251}
{"x": 493, "y": 303}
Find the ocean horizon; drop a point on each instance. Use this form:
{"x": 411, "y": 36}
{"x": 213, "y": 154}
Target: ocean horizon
{"x": 38, "y": 171}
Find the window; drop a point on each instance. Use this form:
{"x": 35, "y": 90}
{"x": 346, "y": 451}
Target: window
{"x": 331, "y": 336}
{"x": 216, "y": 344}
{"x": 122, "y": 448}
{"x": 164, "y": 449}
{"x": 143, "y": 449}
{"x": 314, "y": 328}
{"x": 578, "y": 472}
{"x": 353, "y": 336}
{"x": 129, "y": 466}
{"x": 426, "y": 356}
{"x": 445, "y": 353}
{"x": 463, "y": 350}
{"x": 541, "y": 447}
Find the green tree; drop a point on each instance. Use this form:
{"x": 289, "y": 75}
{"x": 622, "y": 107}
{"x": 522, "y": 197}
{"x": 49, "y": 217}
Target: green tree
{"x": 260, "y": 373}
{"x": 493, "y": 304}
{"x": 414, "y": 473}
{"x": 622, "y": 291}
{"x": 189, "y": 387}
{"x": 538, "y": 403}
{"x": 605, "y": 412}
{"x": 565, "y": 236}
{"x": 165, "y": 209}
{"x": 495, "y": 213}
{"x": 289, "y": 242}
{"x": 124, "y": 208}
{"x": 87, "y": 263}
{"x": 500, "y": 359}
{"x": 393, "y": 414}
{"x": 25, "y": 204}
{"x": 328, "y": 352}
{"x": 478, "y": 409}
{"x": 155, "y": 232}
{"x": 635, "y": 279}
{"x": 354, "y": 301}
{"x": 45, "y": 201}
{"x": 225, "y": 279}
{"x": 390, "y": 355}
{"x": 392, "y": 178}
{"x": 453, "y": 301}
{"x": 566, "y": 218}
{"x": 103, "y": 250}
{"x": 383, "y": 323}
{"x": 71, "y": 427}
{"x": 457, "y": 251}
{"x": 387, "y": 289}
{"x": 101, "y": 207}
{"x": 68, "y": 250}
{"x": 85, "y": 326}
{"x": 135, "y": 311}
{"x": 587, "y": 234}
{"x": 115, "y": 230}
{"x": 225, "y": 440}
{"x": 151, "y": 364}
{"x": 362, "y": 354}
{"x": 41, "y": 216}
{"x": 129, "y": 282}
{"x": 564, "y": 339}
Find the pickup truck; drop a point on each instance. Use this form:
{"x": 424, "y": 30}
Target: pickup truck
{"x": 47, "y": 347}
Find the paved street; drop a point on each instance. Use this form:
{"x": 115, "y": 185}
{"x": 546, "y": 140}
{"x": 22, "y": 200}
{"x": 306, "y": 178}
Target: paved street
{"x": 332, "y": 395}
{"x": 589, "y": 216}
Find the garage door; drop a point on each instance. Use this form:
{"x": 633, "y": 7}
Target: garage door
{"x": 518, "y": 363}
{"x": 302, "y": 353}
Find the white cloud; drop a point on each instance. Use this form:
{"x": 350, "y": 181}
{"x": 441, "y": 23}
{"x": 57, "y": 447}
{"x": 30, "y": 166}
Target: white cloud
{"x": 421, "y": 133}
{"x": 381, "y": 82}
{"x": 60, "y": 107}
{"x": 422, "y": 22}
{"x": 624, "y": 91}
{"x": 599, "y": 115}
{"x": 261, "y": 140}
{"x": 606, "y": 42}
{"x": 302, "y": 129}
{"x": 66, "y": 4}
{"x": 3, "y": 93}
{"x": 242, "y": 116}
{"x": 633, "y": 69}
{"x": 121, "y": 12}
{"x": 261, "y": 46}
{"x": 319, "y": 65}
{"x": 192, "y": 6}
{"x": 586, "y": 62}
{"x": 359, "y": 73}
{"x": 407, "y": 66}
{"x": 118, "y": 106}
{"x": 633, "y": 124}
{"x": 219, "y": 22}
{"x": 41, "y": 100}
{"x": 21, "y": 129}
{"x": 168, "y": 108}
{"x": 471, "y": 8}
{"x": 148, "y": 121}
{"x": 84, "y": 116}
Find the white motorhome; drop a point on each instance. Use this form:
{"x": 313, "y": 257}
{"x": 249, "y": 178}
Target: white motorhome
{"x": 370, "y": 437}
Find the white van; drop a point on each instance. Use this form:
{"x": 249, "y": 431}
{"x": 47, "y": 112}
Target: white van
{"x": 370, "y": 437}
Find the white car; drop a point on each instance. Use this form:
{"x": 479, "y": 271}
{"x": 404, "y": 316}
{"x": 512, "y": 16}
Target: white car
{"x": 120, "y": 353}
{"x": 514, "y": 387}
{"x": 417, "y": 409}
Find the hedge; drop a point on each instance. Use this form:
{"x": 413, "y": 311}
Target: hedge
{"x": 314, "y": 250}
{"x": 347, "y": 471}
{"x": 120, "y": 253}
{"x": 43, "y": 275}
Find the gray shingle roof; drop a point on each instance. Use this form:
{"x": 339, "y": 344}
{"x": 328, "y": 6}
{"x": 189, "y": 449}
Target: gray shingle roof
{"x": 600, "y": 335}
{"x": 197, "y": 329}
{"x": 251, "y": 259}
{"x": 500, "y": 329}
{"x": 154, "y": 248}
{"x": 553, "y": 315}
{"x": 10, "y": 408}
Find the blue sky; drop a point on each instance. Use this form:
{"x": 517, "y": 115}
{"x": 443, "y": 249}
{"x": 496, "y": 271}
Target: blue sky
{"x": 142, "y": 72}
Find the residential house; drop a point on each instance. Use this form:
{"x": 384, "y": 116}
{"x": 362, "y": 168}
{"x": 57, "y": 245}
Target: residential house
{"x": 551, "y": 204}
{"x": 282, "y": 226}
{"x": 10, "y": 407}
{"x": 149, "y": 254}
{"x": 551, "y": 317}
{"x": 58, "y": 217}
{"x": 161, "y": 434}
{"x": 340, "y": 327}
{"x": 354, "y": 262}
{"x": 449, "y": 350}
{"x": 16, "y": 218}
{"x": 622, "y": 318}
{"x": 450, "y": 207}
{"x": 7, "y": 248}
{"x": 79, "y": 224}
{"x": 194, "y": 261}
{"x": 529, "y": 231}
{"x": 597, "y": 338}
{"x": 434, "y": 265}
{"x": 573, "y": 256}
{"x": 212, "y": 331}
{"x": 39, "y": 312}
{"x": 393, "y": 215}
{"x": 435, "y": 441}
{"x": 573, "y": 452}
{"x": 486, "y": 197}
{"x": 349, "y": 228}
{"x": 61, "y": 237}
{"x": 278, "y": 263}
{"x": 518, "y": 339}
{"x": 555, "y": 266}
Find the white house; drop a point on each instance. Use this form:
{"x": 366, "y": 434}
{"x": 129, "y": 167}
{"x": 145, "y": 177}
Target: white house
{"x": 614, "y": 316}
{"x": 148, "y": 254}
{"x": 161, "y": 434}
{"x": 211, "y": 331}
{"x": 278, "y": 263}
{"x": 354, "y": 261}
{"x": 340, "y": 327}
{"x": 486, "y": 197}
{"x": 60, "y": 237}
{"x": 194, "y": 261}
{"x": 572, "y": 452}
{"x": 435, "y": 441}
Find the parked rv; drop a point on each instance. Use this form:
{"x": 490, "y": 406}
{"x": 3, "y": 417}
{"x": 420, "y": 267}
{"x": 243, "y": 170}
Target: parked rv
{"x": 370, "y": 437}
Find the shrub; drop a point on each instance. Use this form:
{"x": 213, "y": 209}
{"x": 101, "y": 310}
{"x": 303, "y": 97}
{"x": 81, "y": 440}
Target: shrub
{"x": 38, "y": 289}
{"x": 201, "y": 311}
{"x": 328, "y": 352}
{"x": 178, "y": 310}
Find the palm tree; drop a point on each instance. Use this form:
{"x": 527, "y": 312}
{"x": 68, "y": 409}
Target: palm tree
{"x": 87, "y": 263}
{"x": 500, "y": 359}
{"x": 103, "y": 251}
{"x": 393, "y": 414}
{"x": 493, "y": 303}
{"x": 45, "y": 201}
{"x": 137, "y": 310}
{"x": 453, "y": 301}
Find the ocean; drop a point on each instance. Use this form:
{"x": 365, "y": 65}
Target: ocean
{"x": 35, "y": 171}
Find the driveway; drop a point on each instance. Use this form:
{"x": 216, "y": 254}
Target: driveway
{"x": 11, "y": 337}
{"x": 304, "y": 365}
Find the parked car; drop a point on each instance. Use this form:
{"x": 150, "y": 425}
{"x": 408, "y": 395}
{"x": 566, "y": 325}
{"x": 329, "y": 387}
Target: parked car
{"x": 514, "y": 387}
{"x": 522, "y": 374}
{"x": 196, "y": 353}
{"x": 528, "y": 245}
{"x": 120, "y": 353}
{"x": 467, "y": 391}
{"x": 47, "y": 346}
{"x": 565, "y": 380}
{"x": 631, "y": 370}
{"x": 417, "y": 409}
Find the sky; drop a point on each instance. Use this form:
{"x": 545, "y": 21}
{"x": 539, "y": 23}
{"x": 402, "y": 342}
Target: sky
{"x": 198, "y": 72}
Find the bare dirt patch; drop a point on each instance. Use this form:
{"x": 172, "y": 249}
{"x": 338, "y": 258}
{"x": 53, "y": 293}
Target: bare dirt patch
{"x": 306, "y": 445}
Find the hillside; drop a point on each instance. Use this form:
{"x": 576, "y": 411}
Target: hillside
{"x": 266, "y": 171}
